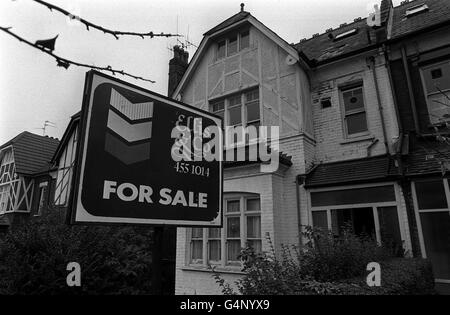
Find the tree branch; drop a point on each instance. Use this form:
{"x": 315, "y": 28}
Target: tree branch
{"x": 65, "y": 63}
{"x": 88, "y": 24}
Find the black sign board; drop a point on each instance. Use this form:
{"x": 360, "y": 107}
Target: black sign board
{"x": 125, "y": 169}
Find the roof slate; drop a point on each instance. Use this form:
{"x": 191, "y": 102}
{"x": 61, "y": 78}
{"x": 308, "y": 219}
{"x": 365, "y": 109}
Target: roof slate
{"x": 427, "y": 156}
{"x": 32, "y": 152}
{"x": 352, "y": 171}
{"x": 230, "y": 21}
{"x": 439, "y": 11}
{"x": 322, "y": 47}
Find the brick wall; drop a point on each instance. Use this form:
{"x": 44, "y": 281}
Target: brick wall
{"x": 332, "y": 144}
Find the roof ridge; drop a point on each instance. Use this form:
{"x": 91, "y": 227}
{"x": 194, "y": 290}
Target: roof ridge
{"x": 342, "y": 25}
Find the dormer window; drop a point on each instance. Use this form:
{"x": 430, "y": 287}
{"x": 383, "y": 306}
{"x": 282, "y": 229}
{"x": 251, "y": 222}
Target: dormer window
{"x": 346, "y": 34}
{"x": 416, "y": 10}
{"x": 233, "y": 44}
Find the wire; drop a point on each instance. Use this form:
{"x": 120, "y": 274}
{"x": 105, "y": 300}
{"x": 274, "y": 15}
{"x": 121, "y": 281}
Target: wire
{"x": 88, "y": 24}
{"x": 63, "y": 62}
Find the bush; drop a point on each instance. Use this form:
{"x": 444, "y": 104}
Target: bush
{"x": 113, "y": 260}
{"x": 329, "y": 265}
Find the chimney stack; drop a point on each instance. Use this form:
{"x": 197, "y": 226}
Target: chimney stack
{"x": 177, "y": 66}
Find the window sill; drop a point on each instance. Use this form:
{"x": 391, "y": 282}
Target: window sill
{"x": 219, "y": 269}
{"x": 358, "y": 139}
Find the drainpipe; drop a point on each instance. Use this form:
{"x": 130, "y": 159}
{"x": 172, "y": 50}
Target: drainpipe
{"x": 410, "y": 90}
{"x": 299, "y": 182}
{"x": 394, "y": 93}
{"x": 380, "y": 107}
{"x": 369, "y": 147}
{"x": 397, "y": 111}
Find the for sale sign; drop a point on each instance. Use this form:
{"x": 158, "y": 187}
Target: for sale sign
{"x": 145, "y": 159}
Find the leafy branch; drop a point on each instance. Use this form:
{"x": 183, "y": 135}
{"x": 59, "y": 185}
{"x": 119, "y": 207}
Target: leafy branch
{"x": 47, "y": 47}
{"x": 88, "y": 24}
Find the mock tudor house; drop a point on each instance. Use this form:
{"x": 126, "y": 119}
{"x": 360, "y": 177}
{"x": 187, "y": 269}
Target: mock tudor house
{"x": 25, "y": 183}
{"x": 363, "y": 112}
{"x": 362, "y": 136}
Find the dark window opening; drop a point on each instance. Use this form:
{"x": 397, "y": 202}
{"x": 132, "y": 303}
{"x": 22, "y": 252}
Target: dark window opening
{"x": 325, "y": 103}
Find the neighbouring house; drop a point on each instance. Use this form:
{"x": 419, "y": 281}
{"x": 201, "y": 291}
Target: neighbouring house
{"x": 337, "y": 100}
{"x": 25, "y": 183}
{"x": 419, "y": 63}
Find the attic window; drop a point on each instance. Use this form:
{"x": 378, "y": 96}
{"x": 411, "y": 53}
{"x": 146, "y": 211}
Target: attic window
{"x": 416, "y": 10}
{"x": 346, "y": 34}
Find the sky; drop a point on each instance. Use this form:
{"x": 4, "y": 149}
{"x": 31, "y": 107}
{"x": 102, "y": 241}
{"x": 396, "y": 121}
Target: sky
{"x": 34, "y": 90}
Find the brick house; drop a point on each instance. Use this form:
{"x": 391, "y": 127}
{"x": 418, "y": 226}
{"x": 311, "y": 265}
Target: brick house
{"x": 419, "y": 65}
{"x": 25, "y": 182}
{"x": 332, "y": 99}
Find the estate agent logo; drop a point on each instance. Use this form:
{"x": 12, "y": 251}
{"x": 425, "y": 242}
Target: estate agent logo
{"x": 129, "y": 129}
{"x": 125, "y": 170}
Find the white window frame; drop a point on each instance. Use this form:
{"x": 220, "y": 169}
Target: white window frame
{"x": 416, "y": 10}
{"x": 417, "y": 214}
{"x": 238, "y": 35}
{"x": 7, "y": 188}
{"x": 243, "y": 213}
{"x": 373, "y": 205}
{"x": 244, "y": 121}
{"x": 342, "y": 90}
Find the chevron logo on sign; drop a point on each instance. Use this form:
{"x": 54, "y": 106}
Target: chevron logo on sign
{"x": 129, "y": 129}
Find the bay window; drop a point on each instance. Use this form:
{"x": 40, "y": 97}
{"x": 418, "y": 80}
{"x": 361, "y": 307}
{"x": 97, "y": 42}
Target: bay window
{"x": 370, "y": 211}
{"x": 222, "y": 246}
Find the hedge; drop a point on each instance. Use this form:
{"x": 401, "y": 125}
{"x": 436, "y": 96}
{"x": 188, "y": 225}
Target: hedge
{"x": 401, "y": 276}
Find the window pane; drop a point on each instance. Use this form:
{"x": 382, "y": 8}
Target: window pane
{"x": 245, "y": 40}
{"x": 353, "y": 196}
{"x": 431, "y": 194}
{"x": 214, "y": 250}
{"x": 256, "y": 245}
{"x": 233, "y": 206}
{"x": 356, "y": 123}
{"x": 320, "y": 219}
{"x": 233, "y": 227}
{"x": 253, "y": 205}
{"x": 232, "y": 45}
{"x": 235, "y": 116}
{"x": 235, "y": 100}
{"x": 436, "y": 233}
{"x": 252, "y": 111}
{"x": 218, "y": 106}
{"x": 197, "y": 251}
{"x": 221, "y": 50}
{"x": 360, "y": 220}
{"x": 214, "y": 233}
{"x": 233, "y": 250}
{"x": 254, "y": 227}
{"x": 197, "y": 233}
{"x": 353, "y": 99}
{"x": 390, "y": 229}
{"x": 252, "y": 96}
